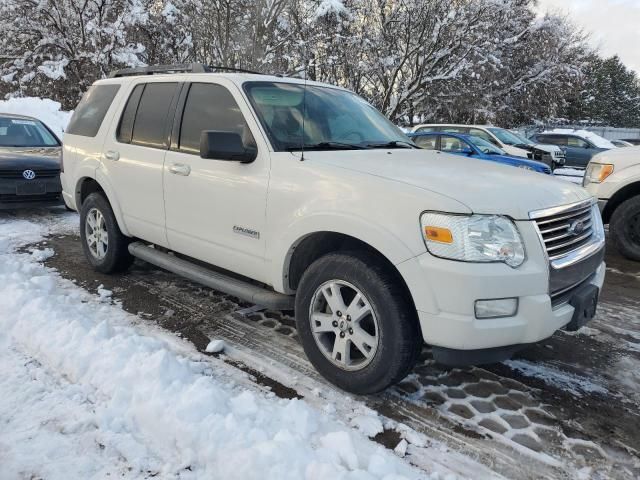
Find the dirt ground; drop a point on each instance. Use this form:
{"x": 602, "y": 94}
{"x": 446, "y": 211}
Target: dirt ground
{"x": 568, "y": 407}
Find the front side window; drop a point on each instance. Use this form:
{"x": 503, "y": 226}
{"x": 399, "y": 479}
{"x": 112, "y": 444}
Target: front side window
{"x": 485, "y": 147}
{"x": 553, "y": 140}
{"x": 452, "y": 144}
{"x": 211, "y": 107}
{"x": 90, "y": 112}
{"x": 333, "y": 118}
{"x": 18, "y": 132}
{"x": 476, "y": 132}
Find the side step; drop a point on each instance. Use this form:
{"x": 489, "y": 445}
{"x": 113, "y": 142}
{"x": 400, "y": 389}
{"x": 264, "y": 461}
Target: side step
{"x": 218, "y": 281}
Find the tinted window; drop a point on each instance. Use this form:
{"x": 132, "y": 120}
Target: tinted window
{"x": 23, "y": 132}
{"x": 577, "y": 142}
{"x": 125, "y": 129}
{"x": 91, "y": 110}
{"x": 150, "y": 126}
{"x": 452, "y": 144}
{"x": 210, "y": 107}
{"x": 427, "y": 142}
{"x": 553, "y": 139}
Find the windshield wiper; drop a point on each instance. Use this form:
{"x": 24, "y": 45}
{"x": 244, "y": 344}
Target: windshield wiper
{"x": 392, "y": 144}
{"x": 326, "y": 146}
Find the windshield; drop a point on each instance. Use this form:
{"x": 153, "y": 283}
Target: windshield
{"x": 505, "y": 136}
{"x": 333, "y": 119}
{"x": 523, "y": 140}
{"x": 18, "y": 132}
{"x": 486, "y": 147}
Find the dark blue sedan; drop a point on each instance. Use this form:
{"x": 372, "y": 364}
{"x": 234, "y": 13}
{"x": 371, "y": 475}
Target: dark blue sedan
{"x": 474, "y": 147}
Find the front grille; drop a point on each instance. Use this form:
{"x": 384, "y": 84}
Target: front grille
{"x": 45, "y": 197}
{"x": 566, "y": 231}
{"x": 17, "y": 173}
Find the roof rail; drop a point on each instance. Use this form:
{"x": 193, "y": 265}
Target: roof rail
{"x": 177, "y": 68}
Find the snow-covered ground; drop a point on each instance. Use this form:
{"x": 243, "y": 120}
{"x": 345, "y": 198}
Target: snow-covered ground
{"x": 89, "y": 391}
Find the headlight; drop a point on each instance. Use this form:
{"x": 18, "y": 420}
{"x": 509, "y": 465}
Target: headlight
{"x": 472, "y": 238}
{"x": 597, "y": 173}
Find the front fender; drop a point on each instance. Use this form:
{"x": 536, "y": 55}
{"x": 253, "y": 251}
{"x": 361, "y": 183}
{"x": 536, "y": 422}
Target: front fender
{"x": 394, "y": 248}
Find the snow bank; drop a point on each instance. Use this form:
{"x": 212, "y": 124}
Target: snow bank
{"x": 115, "y": 390}
{"x": 597, "y": 140}
{"x": 43, "y": 109}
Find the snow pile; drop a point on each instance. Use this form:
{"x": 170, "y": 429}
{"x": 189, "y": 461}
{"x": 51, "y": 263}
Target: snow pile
{"x": 597, "y": 140}
{"x": 43, "y": 109}
{"x": 86, "y": 394}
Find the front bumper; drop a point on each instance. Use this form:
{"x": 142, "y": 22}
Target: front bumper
{"x": 445, "y": 291}
{"x": 50, "y": 197}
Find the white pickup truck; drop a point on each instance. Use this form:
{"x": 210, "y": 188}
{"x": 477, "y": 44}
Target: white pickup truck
{"x": 613, "y": 177}
{"x": 295, "y": 195}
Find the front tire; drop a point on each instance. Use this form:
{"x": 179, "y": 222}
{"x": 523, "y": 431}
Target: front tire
{"x": 104, "y": 245}
{"x": 624, "y": 228}
{"x": 357, "y": 323}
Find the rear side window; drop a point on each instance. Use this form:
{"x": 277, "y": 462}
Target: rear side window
{"x": 150, "y": 124}
{"x": 427, "y": 142}
{"x": 210, "y": 107}
{"x": 91, "y": 110}
{"x": 125, "y": 129}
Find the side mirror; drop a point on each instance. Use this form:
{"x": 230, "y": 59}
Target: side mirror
{"x": 225, "y": 146}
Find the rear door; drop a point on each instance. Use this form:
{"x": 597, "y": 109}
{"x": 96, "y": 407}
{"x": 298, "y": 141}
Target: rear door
{"x": 134, "y": 157}
{"x": 216, "y": 208}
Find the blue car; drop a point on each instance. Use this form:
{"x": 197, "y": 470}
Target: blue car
{"x": 475, "y": 147}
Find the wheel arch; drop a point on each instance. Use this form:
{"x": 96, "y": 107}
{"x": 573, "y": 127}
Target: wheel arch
{"x": 88, "y": 185}
{"x": 625, "y": 193}
{"x": 313, "y": 246}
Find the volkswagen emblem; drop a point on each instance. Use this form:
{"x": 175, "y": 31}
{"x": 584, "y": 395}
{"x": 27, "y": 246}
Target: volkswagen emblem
{"x": 29, "y": 174}
{"x": 576, "y": 227}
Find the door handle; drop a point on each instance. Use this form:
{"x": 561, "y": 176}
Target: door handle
{"x": 112, "y": 155}
{"x": 180, "y": 169}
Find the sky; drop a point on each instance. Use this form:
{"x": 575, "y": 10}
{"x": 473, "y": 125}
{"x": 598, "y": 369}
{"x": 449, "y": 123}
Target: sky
{"x": 614, "y": 25}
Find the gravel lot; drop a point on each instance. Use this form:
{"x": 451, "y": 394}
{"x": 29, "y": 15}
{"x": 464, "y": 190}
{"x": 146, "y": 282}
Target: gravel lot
{"x": 567, "y": 407}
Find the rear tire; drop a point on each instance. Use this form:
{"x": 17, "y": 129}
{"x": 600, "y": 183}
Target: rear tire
{"x": 104, "y": 245}
{"x": 624, "y": 228}
{"x": 378, "y": 330}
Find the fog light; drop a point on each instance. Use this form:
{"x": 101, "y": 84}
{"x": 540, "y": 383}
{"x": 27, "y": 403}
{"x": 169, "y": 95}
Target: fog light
{"x": 496, "y": 308}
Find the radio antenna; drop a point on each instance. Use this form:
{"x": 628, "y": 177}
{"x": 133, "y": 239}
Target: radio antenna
{"x": 304, "y": 97}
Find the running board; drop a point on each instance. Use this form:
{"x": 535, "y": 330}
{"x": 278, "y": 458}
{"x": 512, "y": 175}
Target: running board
{"x": 218, "y": 281}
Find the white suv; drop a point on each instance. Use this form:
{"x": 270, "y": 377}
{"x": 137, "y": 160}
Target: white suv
{"x": 378, "y": 245}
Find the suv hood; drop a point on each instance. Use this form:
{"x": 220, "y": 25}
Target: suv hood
{"x": 621, "y": 158}
{"x": 484, "y": 187}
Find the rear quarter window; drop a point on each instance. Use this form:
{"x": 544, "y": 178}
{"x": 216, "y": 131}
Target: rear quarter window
{"x": 90, "y": 112}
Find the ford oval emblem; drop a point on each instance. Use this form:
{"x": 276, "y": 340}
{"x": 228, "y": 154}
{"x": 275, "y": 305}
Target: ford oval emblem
{"x": 576, "y": 227}
{"x": 29, "y": 174}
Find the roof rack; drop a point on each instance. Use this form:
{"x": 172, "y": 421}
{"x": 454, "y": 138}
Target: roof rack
{"x": 177, "y": 68}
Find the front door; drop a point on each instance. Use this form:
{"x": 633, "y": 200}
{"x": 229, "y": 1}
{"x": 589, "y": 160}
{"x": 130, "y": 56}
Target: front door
{"x": 215, "y": 209}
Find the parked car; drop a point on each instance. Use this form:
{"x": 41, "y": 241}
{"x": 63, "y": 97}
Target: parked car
{"x": 613, "y": 177}
{"x": 473, "y": 147}
{"x": 579, "y": 145}
{"x": 378, "y": 246}
{"x": 29, "y": 163}
{"x": 622, "y": 143}
{"x": 633, "y": 141}
{"x": 552, "y": 155}
{"x": 503, "y": 139}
